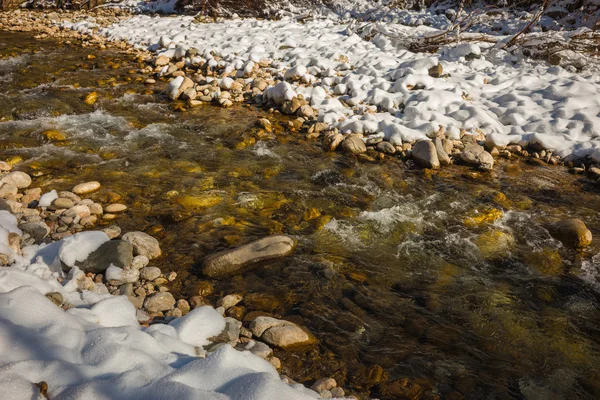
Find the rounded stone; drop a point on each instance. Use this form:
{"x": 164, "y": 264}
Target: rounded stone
{"x": 572, "y": 233}
{"x": 87, "y": 187}
{"x": 115, "y": 208}
{"x": 150, "y": 273}
{"x": 161, "y": 301}
{"x": 425, "y": 154}
{"x": 143, "y": 244}
{"x": 353, "y": 144}
{"x": 61, "y": 202}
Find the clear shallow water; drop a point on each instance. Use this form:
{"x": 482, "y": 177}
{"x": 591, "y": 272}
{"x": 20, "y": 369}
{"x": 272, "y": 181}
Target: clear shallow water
{"x": 389, "y": 273}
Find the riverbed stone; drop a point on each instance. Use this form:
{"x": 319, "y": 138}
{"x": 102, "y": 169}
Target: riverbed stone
{"x": 38, "y": 230}
{"x": 8, "y": 190}
{"x": 425, "y": 154}
{"x": 386, "y": 147}
{"x": 573, "y": 233}
{"x": 281, "y": 333}
{"x": 115, "y": 208}
{"x": 323, "y": 384}
{"x": 114, "y": 252}
{"x": 353, "y": 144}
{"x": 332, "y": 141}
{"x": 86, "y": 187}
{"x": 229, "y": 301}
{"x": 143, "y": 244}
{"x": 61, "y": 202}
{"x": 230, "y": 262}
{"x": 20, "y": 179}
{"x": 443, "y": 156}
{"x": 150, "y": 273}
{"x": 495, "y": 244}
{"x": 160, "y": 301}
{"x": 475, "y": 155}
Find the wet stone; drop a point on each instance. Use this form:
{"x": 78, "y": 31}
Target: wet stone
{"x": 87, "y": 187}
{"x": 572, "y": 233}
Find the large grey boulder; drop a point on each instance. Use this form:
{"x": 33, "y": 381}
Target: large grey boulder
{"x": 425, "y": 154}
{"x": 230, "y": 262}
{"x": 116, "y": 252}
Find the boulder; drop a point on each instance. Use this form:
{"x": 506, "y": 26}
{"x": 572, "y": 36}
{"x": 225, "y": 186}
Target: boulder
{"x": 425, "y": 154}
{"x": 230, "y": 262}
{"x": 572, "y": 233}
{"x": 143, "y": 244}
{"x": 116, "y": 252}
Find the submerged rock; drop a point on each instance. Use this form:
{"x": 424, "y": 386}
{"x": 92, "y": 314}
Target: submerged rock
{"x": 85, "y": 188}
{"x": 281, "y": 333}
{"x": 230, "y": 262}
{"x": 572, "y": 233}
{"x": 494, "y": 244}
{"x": 425, "y": 154}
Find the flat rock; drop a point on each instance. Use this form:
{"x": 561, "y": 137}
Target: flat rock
{"x": 572, "y": 233}
{"x": 425, "y": 154}
{"x": 116, "y": 252}
{"x": 230, "y": 262}
{"x": 20, "y": 179}
{"x": 143, "y": 244}
{"x": 115, "y": 208}
{"x": 87, "y": 187}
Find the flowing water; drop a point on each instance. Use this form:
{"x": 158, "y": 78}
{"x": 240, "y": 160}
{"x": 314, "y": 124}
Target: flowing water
{"x": 417, "y": 284}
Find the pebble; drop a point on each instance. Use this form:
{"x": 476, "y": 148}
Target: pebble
{"x": 115, "y": 208}
{"x": 150, "y": 273}
{"x": 229, "y": 301}
{"x": 475, "y": 155}
{"x": 112, "y": 231}
{"x": 161, "y": 301}
{"x": 324, "y": 384}
{"x": 8, "y": 190}
{"x": 61, "y": 202}
{"x": 281, "y": 333}
{"x": 87, "y": 187}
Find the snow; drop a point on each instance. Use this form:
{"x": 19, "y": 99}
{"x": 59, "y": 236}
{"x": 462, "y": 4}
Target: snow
{"x": 377, "y": 86}
{"x": 97, "y": 350}
{"x": 48, "y": 198}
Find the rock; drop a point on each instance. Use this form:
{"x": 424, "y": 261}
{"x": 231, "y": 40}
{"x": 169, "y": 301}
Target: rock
{"x": 91, "y": 98}
{"x": 37, "y": 230}
{"x": 150, "y": 273}
{"x": 331, "y": 142}
{"x": 85, "y": 188}
{"x": 55, "y": 297}
{"x": 4, "y": 166}
{"x": 184, "y": 306}
{"x": 494, "y": 244}
{"x": 116, "y": 252}
{"x": 112, "y": 231}
{"x": 61, "y": 203}
{"x": 436, "y": 71}
{"x": 161, "y": 61}
{"x": 8, "y": 190}
{"x": 5, "y": 206}
{"x": 594, "y": 172}
{"x": 275, "y": 362}
{"x": 305, "y": 111}
{"x": 324, "y": 384}
{"x": 115, "y": 208}
{"x": 229, "y": 301}
{"x": 143, "y": 244}
{"x": 443, "y": 156}
{"x": 230, "y": 262}
{"x": 572, "y": 233}
{"x": 189, "y": 94}
{"x": 281, "y": 333}
{"x": 69, "y": 195}
{"x": 353, "y": 144}
{"x": 77, "y": 211}
{"x": 230, "y": 333}
{"x": 118, "y": 276}
{"x": 337, "y": 392}
{"x": 161, "y": 301}
{"x": 20, "y": 179}
{"x": 425, "y": 154}
{"x": 139, "y": 262}
{"x": 386, "y": 147}
{"x": 475, "y": 155}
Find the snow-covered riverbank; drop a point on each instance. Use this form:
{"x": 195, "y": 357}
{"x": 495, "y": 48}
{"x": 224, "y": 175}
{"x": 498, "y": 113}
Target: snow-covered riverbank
{"x": 377, "y": 87}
